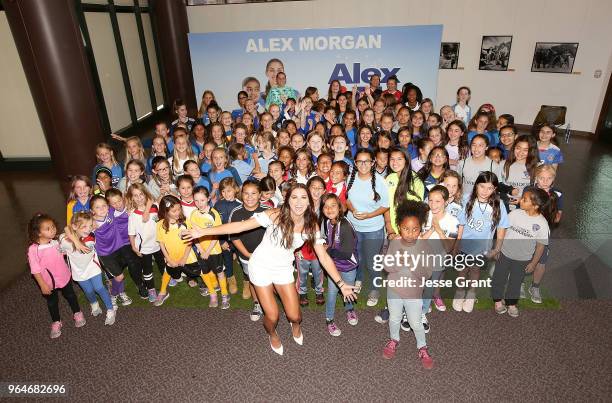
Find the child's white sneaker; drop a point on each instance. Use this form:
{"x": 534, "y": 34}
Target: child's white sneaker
{"x": 111, "y": 315}
{"x": 95, "y": 309}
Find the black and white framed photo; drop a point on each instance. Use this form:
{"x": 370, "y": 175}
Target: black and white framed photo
{"x": 449, "y": 55}
{"x": 495, "y": 53}
{"x": 554, "y": 57}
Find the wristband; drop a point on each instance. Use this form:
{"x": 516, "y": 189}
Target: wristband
{"x": 340, "y": 283}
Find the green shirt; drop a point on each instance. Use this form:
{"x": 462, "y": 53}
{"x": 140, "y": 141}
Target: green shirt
{"x": 392, "y": 182}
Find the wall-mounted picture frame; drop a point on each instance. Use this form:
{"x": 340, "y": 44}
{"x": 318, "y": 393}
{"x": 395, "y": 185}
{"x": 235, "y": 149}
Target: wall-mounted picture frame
{"x": 554, "y": 57}
{"x": 495, "y": 52}
{"x": 449, "y": 55}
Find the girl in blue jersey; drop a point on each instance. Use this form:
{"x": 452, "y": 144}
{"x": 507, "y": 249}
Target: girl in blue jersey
{"x": 106, "y": 158}
{"x": 483, "y": 217}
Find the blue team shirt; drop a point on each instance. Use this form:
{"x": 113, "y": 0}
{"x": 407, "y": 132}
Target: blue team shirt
{"x": 477, "y": 233}
{"x": 550, "y": 156}
{"x": 361, "y": 197}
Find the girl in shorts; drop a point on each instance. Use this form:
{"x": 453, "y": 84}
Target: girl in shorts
{"x": 271, "y": 264}
{"x": 180, "y": 256}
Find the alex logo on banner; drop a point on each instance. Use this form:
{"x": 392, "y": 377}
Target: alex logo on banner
{"x": 227, "y": 62}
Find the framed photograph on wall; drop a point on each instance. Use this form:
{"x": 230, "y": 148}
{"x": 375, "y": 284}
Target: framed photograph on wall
{"x": 449, "y": 55}
{"x": 554, "y": 57}
{"x": 495, "y": 53}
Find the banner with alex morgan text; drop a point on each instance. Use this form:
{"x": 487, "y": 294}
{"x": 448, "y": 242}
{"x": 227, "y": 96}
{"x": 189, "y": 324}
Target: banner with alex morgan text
{"x": 221, "y": 61}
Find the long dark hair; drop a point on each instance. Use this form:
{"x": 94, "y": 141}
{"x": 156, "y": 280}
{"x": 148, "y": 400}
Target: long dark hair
{"x": 426, "y": 170}
{"x": 405, "y": 180}
{"x": 543, "y": 201}
{"x": 324, "y": 220}
{"x": 372, "y": 172}
{"x": 533, "y": 157}
{"x": 464, "y": 147}
{"x": 494, "y": 200}
{"x": 284, "y": 222}
{"x": 166, "y": 203}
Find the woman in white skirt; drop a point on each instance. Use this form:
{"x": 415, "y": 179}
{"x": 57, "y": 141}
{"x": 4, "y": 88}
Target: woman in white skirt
{"x": 271, "y": 264}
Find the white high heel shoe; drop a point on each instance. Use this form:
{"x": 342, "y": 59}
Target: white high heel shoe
{"x": 278, "y": 350}
{"x": 299, "y": 340}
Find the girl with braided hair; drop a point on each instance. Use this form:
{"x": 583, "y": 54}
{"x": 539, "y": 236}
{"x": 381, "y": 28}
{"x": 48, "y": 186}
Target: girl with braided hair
{"x": 367, "y": 202}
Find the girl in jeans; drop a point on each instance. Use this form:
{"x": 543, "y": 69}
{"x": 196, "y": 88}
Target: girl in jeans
{"x": 342, "y": 248}
{"x": 367, "y": 201}
{"x": 404, "y": 287}
{"x": 306, "y": 258}
{"x": 85, "y": 267}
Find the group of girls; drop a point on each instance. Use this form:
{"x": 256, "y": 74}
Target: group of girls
{"x": 369, "y": 174}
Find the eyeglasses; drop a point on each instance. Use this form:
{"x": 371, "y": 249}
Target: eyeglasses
{"x": 362, "y": 162}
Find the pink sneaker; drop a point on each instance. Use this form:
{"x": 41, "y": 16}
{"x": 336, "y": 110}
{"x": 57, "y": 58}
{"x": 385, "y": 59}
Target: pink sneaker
{"x": 439, "y": 304}
{"x": 389, "y": 350}
{"x": 56, "y": 330}
{"x": 425, "y": 358}
{"x": 79, "y": 319}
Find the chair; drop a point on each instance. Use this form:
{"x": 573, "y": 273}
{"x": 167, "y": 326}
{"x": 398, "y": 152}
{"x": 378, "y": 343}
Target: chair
{"x": 555, "y": 116}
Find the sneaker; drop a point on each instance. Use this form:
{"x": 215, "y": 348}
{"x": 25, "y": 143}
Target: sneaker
{"x": 256, "y": 312}
{"x": 161, "y": 298}
{"x": 56, "y": 330}
{"x": 382, "y": 317}
{"x": 439, "y": 304}
{"x": 204, "y": 291}
{"x": 523, "y": 293}
{"x": 79, "y": 319}
{"x": 225, "y": 302}
{"x": 114, "y": 301}
{"x": 425, "y": 323}
{"x": 214, "y": 301}
{"x": 536, "y": 298}
{"x": 405, "y": 325}
{"x": 95, "y": 309}
{"x": 173, "y": 283}
{"x": 111, "y": 315}
{"x": 351, "y": 317}
{"x": 333, "y": 329}
{"x": 143, "y": 292}
{"x": 304, "y": 300}
{"x": 192, "y": 283}
{"x": 389, "y": 350}
{"x": 470, "y": 300}
{"x": 425, "y": 358}
{"x": 124, "y": 300}
{"x": 358, "y": 285}
{"x": 180, "y": 279}
{"x": 152, "y": 294}
{"x": 458, "y": 300}
{"x": 513, "y": 311}
{"x": 320, "y": 299}
{"x": 500, "y": 308}
{"x": 372, "y": 298}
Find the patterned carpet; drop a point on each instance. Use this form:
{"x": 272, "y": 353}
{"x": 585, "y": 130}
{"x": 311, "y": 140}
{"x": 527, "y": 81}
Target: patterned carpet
{"x": 155, "y": 354}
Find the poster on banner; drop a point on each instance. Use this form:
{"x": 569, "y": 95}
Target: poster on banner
{"x": 224, "y": 61}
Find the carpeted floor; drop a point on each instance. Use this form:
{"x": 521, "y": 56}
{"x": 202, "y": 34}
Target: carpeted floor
{"x": 155, "y": 354}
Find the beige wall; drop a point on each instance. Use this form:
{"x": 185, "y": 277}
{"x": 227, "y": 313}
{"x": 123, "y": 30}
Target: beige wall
{"x": 519, "y": 92}
{"x": 21, "y": 135}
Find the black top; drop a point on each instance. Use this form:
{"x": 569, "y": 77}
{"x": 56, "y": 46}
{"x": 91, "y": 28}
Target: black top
{"x": 251, "y": 239}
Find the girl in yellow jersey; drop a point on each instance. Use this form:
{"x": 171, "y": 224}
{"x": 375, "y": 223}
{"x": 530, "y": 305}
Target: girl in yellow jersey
{"x": 179, "y": 254}
{"x": 209, "y": 247}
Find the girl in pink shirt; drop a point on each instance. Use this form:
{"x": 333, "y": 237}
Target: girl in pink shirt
{"x": 50, "y": 271}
